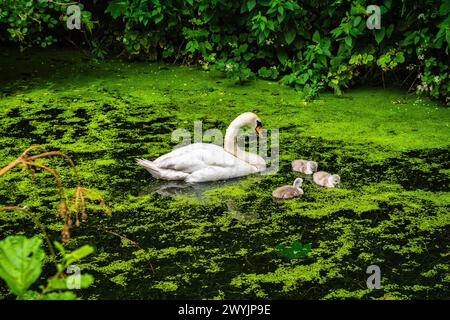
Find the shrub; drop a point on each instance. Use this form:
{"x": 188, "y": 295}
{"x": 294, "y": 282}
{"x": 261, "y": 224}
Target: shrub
{"x": 311, "y": 46}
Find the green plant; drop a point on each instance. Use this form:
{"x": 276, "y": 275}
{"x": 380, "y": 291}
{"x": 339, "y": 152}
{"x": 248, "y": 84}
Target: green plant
{"x": 21, "y": 263}
{"x": 312, "y": 46}
{"x": 295, "y": 250}
{"x": 69, "y": 207}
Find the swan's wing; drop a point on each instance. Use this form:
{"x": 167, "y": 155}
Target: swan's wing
{"x": 215, "y": 173}
{"x": 199, "y": 156}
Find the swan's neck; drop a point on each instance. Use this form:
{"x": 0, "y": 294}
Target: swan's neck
{"x": 230, "y": 144}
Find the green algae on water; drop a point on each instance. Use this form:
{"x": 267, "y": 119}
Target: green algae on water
{"x": 218, "y": 240}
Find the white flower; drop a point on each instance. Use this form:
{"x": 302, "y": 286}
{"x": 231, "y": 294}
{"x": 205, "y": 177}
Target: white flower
{"x": 419, "y": 76}
{"x": 436, "y": 79}
{"x": 228, "y": 67}
{"x": 421, "y": 16}
{"x": 421, "y": 57}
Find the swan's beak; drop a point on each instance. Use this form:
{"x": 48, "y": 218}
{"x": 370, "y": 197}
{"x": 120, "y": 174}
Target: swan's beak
{"x": 258, "y": 130}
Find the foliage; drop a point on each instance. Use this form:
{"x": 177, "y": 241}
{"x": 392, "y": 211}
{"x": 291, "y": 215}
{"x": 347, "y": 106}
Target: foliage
{"x": 308, "y": 46}
{"x": 68, "y": 209}
{"x": 217, "y": 240}
{"x": 21, "y": 262}
{"x": 295, "y": 250}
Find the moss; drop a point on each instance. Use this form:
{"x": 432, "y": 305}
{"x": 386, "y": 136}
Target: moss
{"x": 217, "y": 240}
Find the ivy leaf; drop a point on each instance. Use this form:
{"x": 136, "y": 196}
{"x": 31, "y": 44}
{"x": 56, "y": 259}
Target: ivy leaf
{"x": 21, "y": 261}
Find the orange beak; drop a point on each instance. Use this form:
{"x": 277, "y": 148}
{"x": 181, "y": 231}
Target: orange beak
{"x": 258, "y": 131}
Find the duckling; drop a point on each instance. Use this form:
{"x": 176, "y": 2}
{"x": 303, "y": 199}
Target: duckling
{"x": 289, "y": 192}
{"x": 304, "y": 166}
{"x": 325, "y": 179}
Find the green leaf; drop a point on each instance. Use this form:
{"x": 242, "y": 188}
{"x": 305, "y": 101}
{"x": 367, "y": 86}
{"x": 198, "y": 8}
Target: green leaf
{"x": 356, "y": 21}
{"x": 289, "y": 36}
{"x": 78, "y": 254}
{"x": 316, "y": 37}
{"x": 379, "y": 35}
{"x": 21, "y": 261}
{"x": 251, "y": 4}
{"x": 67, "y": 295}
{"x": 282, "y": 56}
{"x": 116, "y": 8}
{"x": 84, "y": 281}
{"x": 348, "y": 41}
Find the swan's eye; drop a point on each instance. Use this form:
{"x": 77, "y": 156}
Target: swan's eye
{"x": 258, "y": 124}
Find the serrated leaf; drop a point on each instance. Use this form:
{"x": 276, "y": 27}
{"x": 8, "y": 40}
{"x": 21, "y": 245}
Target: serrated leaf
{"x": 21, "y": 261}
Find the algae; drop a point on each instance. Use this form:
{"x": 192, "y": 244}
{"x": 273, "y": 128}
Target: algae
{"x": 218, "y": 240}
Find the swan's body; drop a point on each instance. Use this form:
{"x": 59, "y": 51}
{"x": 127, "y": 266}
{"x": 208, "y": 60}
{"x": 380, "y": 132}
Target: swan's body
{"x": 326, "y": 179}
{"x": 289, "y": 192}
{"x": 201, "y": 162}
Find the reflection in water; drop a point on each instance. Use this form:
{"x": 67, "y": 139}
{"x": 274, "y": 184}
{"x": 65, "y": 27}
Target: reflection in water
{"x": 172, "y": 188}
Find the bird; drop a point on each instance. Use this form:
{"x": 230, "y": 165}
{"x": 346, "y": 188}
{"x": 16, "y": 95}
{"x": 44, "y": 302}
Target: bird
{"x": 289, "y": 192}
{"x": 304, "y": 166}
{"x": 202, "y": 162}
{"x": 326, "y": 179}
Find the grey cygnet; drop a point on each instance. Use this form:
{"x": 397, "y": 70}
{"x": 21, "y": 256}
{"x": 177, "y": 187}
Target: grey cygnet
{"x": 289, "y": 192}
{"x": 326, "y": 179}
{"x": 304, "y": 166}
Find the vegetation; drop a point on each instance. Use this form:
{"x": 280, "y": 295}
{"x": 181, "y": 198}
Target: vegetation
{"x": 220, "y": 240}
{"x": 310, "y": 46}
{"x": 21, "y": 263}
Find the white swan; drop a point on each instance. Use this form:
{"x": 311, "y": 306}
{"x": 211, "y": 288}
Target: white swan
{"x": 201, "y": 162}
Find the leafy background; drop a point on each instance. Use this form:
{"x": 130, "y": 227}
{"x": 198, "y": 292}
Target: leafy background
{"x": 312, "y": 46}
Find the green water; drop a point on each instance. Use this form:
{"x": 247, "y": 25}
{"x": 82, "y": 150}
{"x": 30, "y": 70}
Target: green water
{"x": 218, "y": 240}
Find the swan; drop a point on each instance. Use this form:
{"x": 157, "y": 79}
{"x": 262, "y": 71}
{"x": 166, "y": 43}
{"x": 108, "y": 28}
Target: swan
{"x": 201, "y": 162}
{"x": 289, "y": 192}
{"x": 304, "y": 166}
{"x": 326, "y": 179}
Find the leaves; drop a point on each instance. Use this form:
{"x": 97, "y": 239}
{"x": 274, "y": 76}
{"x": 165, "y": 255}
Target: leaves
{"x": 379, "y": 35}
{"x": 295, "y": 251}
{"x": 21, "y": 261}
{"x": 78, "y": 254}
{"x": 116, "y": 8}
{"x": 289, "y": 36}
{"x": 251, "y": 4}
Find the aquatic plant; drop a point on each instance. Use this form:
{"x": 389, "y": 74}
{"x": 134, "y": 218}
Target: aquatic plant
{"x": 67, "y": 209}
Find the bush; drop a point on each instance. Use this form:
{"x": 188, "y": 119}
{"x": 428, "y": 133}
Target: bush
{"x": 311, "y": 46}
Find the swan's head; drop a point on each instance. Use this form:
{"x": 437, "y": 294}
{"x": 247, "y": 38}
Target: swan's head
{"x": 335, "y": 179}
{"x": 313, "y": 166}
{"x": 298, "y": 183}
{"x": 249, "y": 119}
